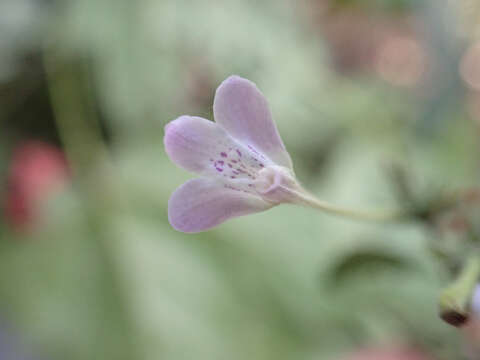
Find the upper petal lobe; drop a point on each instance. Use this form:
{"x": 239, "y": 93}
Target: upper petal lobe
{"x": 243, "y": 111}
{"x": 204, "y": 147}
{"x": 192, "y": 141}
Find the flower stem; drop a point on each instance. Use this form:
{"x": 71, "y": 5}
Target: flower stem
{"x": 455, "y": 300}
{"x": 382, "y": 216}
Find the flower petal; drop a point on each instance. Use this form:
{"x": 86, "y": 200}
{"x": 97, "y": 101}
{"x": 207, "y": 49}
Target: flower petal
{"x": 243, "y": 111}
{"x": 204, "y": 147}
{"x": 203, "y": 203}
{"x": 476, "y": 301}
{"x": 191, "y": 141}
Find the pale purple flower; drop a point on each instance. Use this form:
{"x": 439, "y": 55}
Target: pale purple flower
{"x": 475, "y": 302}
{"x": 242, "y": 161}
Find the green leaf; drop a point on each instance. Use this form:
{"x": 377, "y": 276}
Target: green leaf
{"x": 367, "y": 263}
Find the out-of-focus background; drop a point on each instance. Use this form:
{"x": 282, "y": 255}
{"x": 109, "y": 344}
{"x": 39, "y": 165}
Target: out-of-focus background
{"x": 378, "y": 102}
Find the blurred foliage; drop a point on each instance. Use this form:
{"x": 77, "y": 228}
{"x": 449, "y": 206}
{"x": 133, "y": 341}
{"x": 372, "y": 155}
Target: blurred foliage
{"x": 105, "y": 276}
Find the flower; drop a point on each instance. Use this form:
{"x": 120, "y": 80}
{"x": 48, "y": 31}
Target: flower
{"x": 241, "y": 158}
{"x": 471, "y": 330}
{"x": 243, "y": 164}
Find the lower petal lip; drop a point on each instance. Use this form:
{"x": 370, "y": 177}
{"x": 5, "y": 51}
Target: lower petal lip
{"x": 168, "y": 126}
{"x": 203, "y": 203}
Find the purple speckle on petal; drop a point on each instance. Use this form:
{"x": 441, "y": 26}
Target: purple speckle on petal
{"x": 234, "y": 161}
{"x": 261, "y": 165}
{"x": 229, "y": 165}
{"x": 223, "y": 154}
{"x": 251, "y": 148}
{"x": 231, "y": 187}
{"x": 221, "y": 162}
{"x": 232, "y": 177}
{"x": 219, "y": 169}
{"x": 239, "y": 153}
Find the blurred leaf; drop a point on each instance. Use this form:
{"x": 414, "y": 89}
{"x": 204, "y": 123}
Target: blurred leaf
{"x": 366, "y": 263}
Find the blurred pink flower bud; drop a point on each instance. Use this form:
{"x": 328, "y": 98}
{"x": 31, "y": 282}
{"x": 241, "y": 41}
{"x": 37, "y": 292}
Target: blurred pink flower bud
{"x": 401, "y": 61}
{"x": 37, "y": 170}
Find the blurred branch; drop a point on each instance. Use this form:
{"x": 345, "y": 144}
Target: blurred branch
{"x": 81, "y": 139}
{"x": 424, "y": 205}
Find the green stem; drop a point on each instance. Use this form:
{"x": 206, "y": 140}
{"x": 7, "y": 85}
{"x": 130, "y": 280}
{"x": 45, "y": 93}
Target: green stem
{"x": 382, "y": 216}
